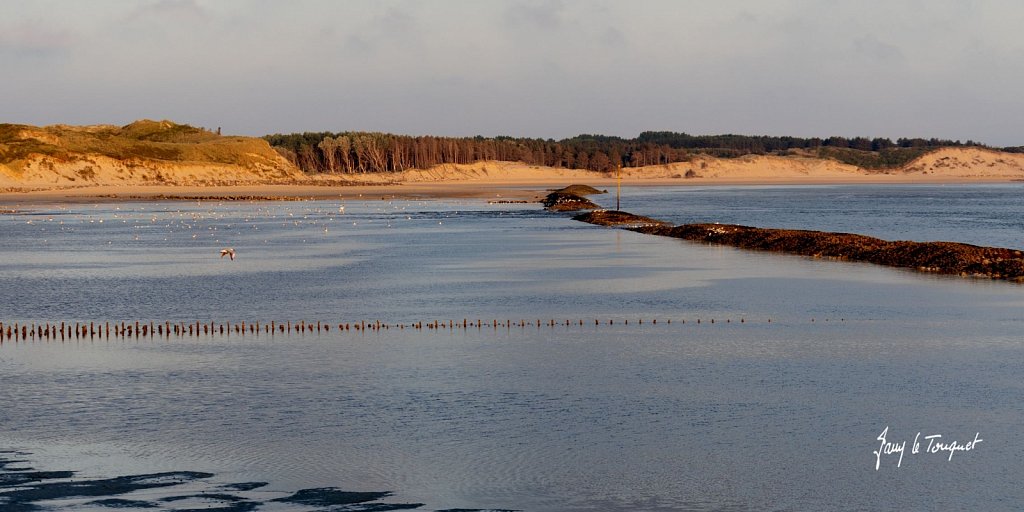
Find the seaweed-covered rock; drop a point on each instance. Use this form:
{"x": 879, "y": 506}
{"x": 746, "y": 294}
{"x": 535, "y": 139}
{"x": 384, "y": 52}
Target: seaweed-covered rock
{"x": 618, "y": 218}
{"x": 564, "y": 202}
{"x": 937, "y": 257}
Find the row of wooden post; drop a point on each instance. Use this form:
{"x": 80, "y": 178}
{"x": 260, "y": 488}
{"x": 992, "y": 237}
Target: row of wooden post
{"x": 121, "y": 330}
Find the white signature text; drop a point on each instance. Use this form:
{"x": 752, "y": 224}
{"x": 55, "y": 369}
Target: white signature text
{"x": 929, "y": 444}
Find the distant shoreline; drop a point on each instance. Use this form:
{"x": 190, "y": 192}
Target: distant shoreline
{"x": 496, "y": 189}
{"x": 162, "y": 160}
{"x": 526, "y": 187}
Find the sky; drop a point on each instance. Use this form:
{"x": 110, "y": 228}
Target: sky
{"x": 526, "y": 68}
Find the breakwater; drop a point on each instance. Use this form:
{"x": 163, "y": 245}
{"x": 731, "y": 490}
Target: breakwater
{"x": 935, "y": 257}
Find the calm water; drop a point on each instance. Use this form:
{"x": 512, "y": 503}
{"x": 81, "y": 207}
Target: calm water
{"x": 682, "y": 416}
{"x": 975, "y": 214}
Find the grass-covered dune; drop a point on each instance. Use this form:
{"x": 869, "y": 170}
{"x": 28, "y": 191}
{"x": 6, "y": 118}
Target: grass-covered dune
{"x": 143, "y": 152}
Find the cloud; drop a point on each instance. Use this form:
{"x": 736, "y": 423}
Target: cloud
{"x": 871, "y": 47}
{"x": 33, "y": 39}
{"x": 545, "y": 15}
{"x": 551, "y": 68}
{"x": 394, "y": 20}
{"x": 392, "y": 28}
{"x": 612, "y": 37}
{"x": 167, "y": 10}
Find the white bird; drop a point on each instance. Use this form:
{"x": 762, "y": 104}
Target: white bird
{"x": 229, "y": 252}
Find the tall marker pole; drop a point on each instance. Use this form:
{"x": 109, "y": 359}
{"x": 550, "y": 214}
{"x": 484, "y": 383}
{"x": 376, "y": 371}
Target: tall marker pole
{"x": 618, "y": 185}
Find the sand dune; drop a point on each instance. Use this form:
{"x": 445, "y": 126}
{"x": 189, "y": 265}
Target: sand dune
{"x": 142, "y": 153}
{"x": 98, "y": 170}
{"x": 948, "y": 164}
{"x": 941, "y": 166}
{"x": 252, "y": 169}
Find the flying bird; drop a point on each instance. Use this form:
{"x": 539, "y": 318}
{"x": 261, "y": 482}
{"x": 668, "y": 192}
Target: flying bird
{"x": 228, "y": 252}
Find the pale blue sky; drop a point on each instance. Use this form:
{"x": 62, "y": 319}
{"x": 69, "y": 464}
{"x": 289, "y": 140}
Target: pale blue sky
{"x": 929, "y": 68}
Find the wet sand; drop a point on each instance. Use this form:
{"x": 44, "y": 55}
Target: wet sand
{"x": 497, "y": 191}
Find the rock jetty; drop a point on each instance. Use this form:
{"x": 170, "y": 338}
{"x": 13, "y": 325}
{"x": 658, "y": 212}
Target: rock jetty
{"x": 935, "y": 257}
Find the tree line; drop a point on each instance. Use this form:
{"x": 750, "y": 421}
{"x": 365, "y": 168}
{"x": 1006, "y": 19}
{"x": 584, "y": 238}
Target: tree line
{"x": 363, "y": 152}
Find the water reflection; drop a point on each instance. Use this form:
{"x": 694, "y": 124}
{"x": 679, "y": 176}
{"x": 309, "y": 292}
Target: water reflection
{"x": 681, "y": 416}
{"x": 23, "y": 489}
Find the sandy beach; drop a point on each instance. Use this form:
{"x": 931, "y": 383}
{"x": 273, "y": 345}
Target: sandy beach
{"x": 519, "y": 182}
